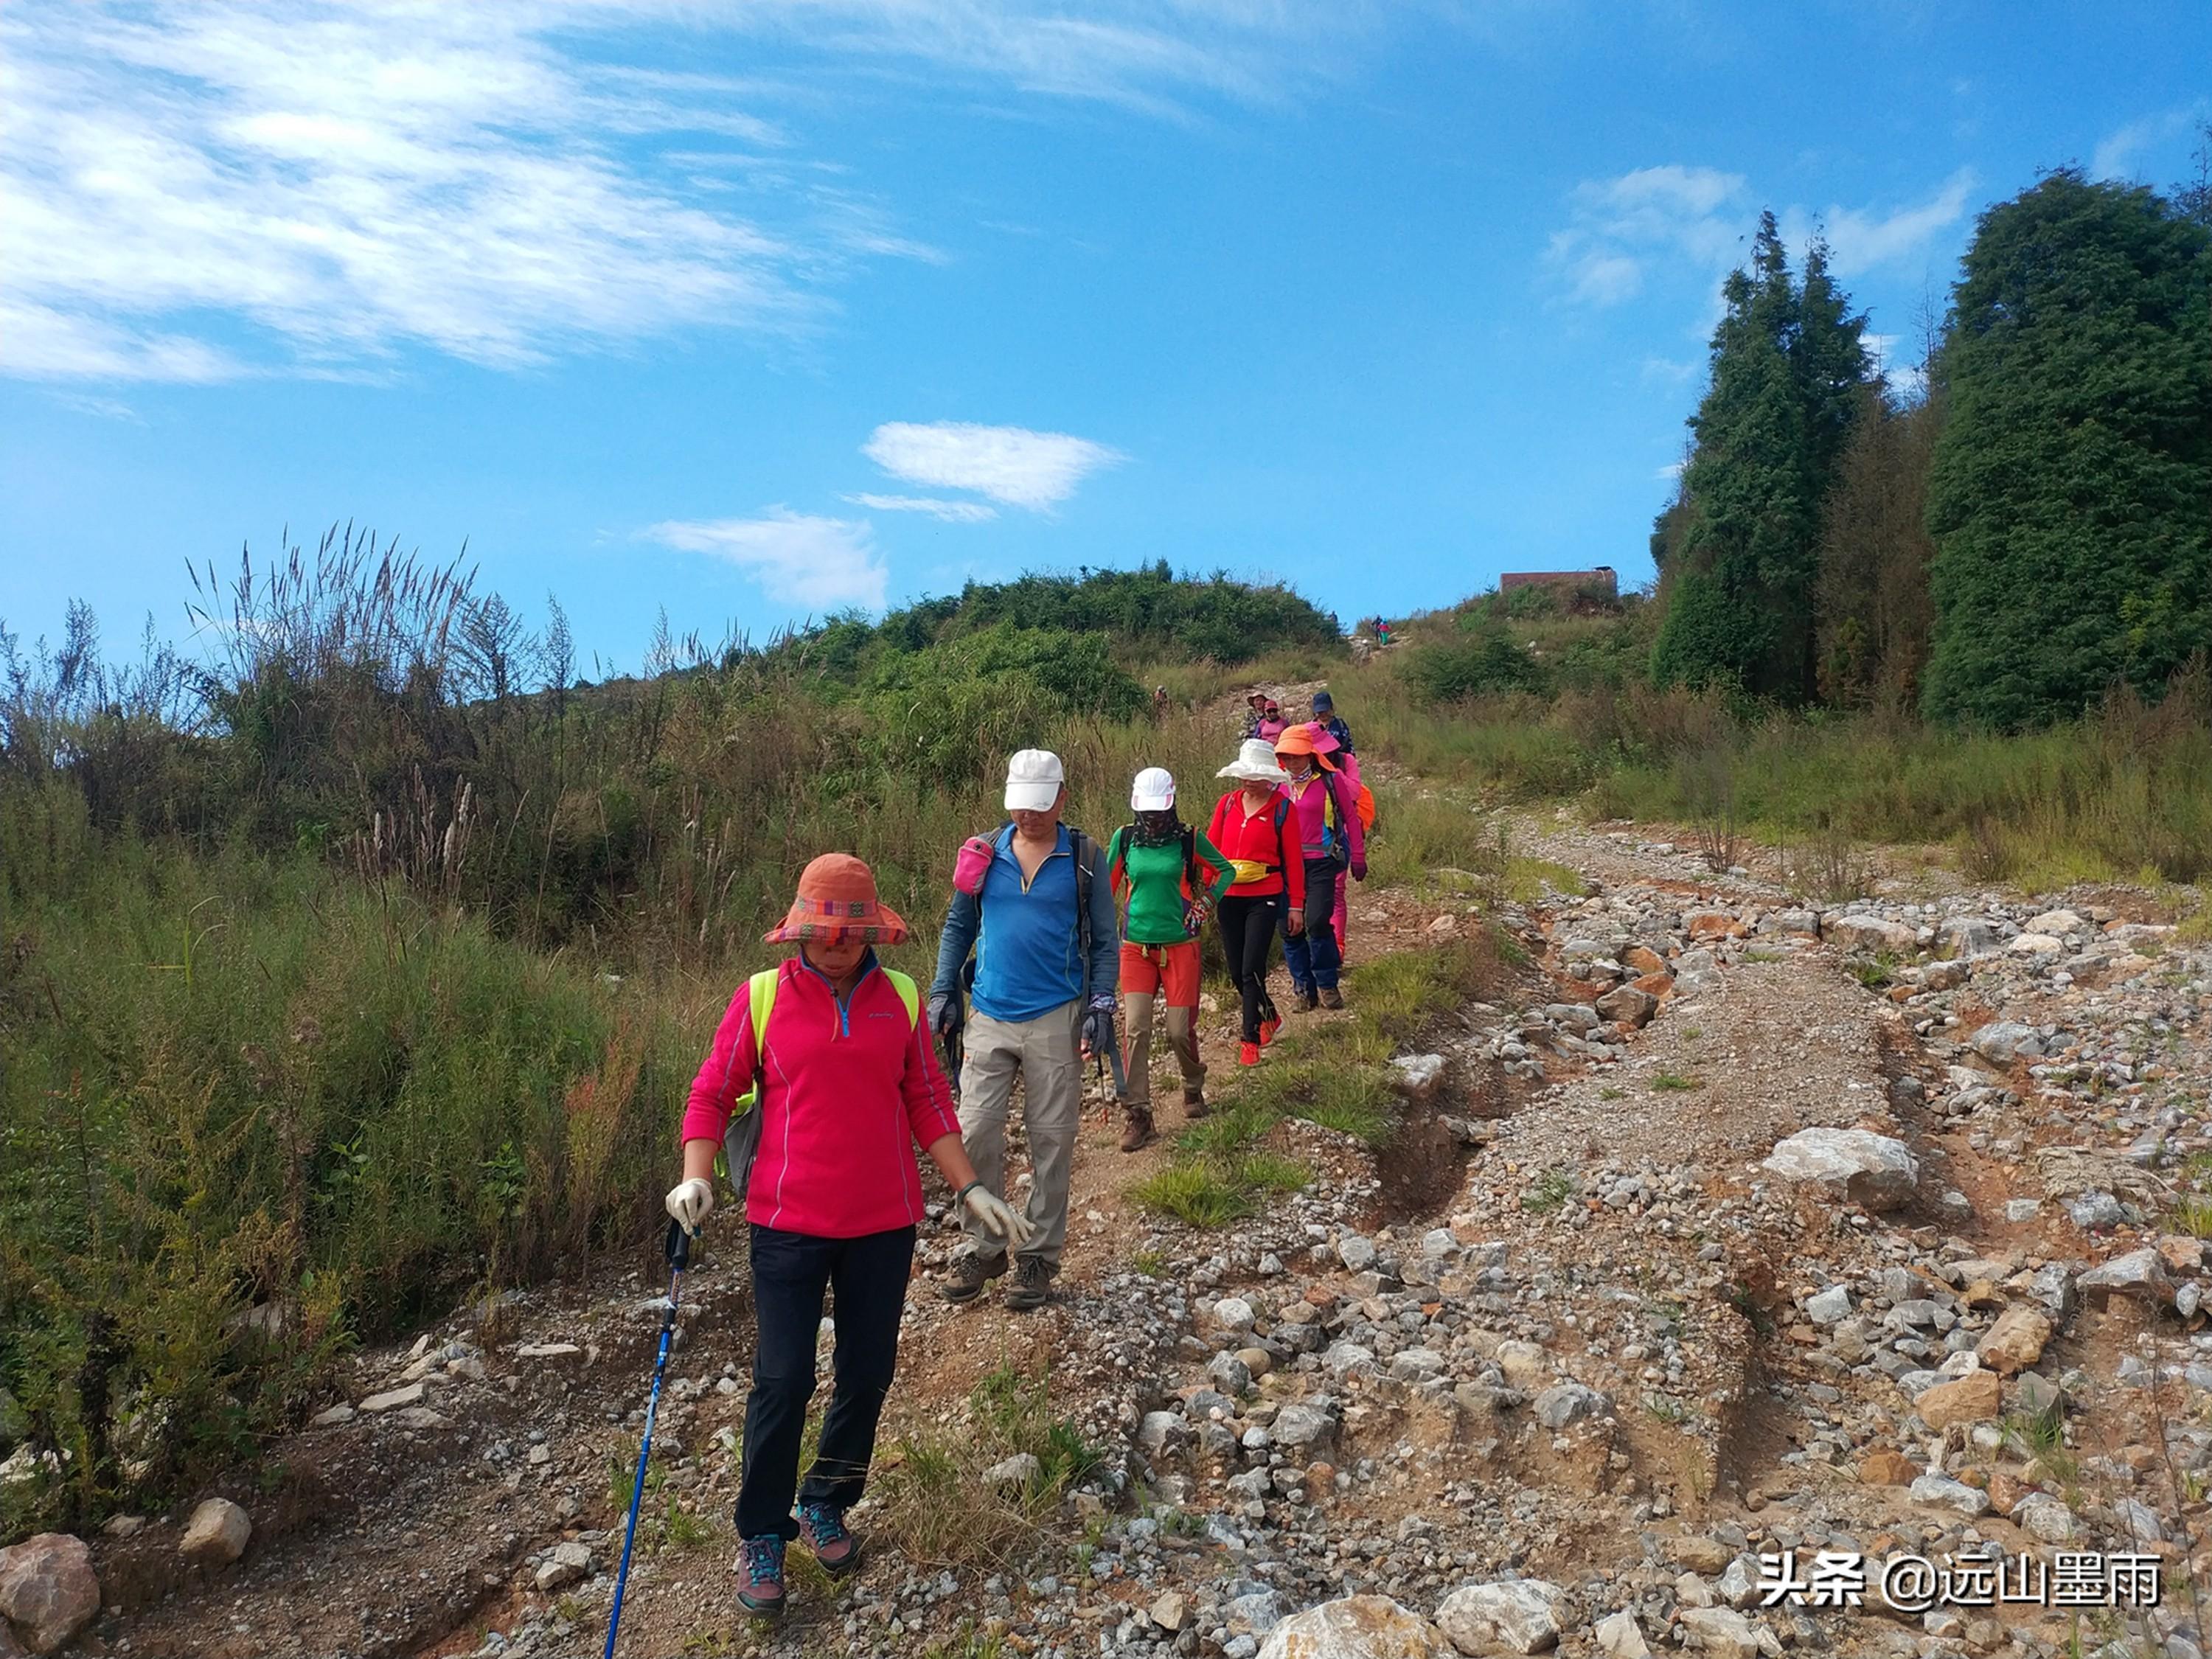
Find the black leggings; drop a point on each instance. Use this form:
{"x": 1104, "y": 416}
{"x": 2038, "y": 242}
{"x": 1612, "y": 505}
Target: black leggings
{"x": 1248, "y": 932}
{"x": 790, "y": 1273}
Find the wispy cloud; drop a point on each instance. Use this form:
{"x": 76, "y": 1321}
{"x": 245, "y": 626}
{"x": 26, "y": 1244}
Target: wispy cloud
{"x": 234, "y": 187}
{"x": 1622, "y": 229}
{"x": 797, "y": 557}
{"x": 1009, "y": 463}
{"x": 935, "y": 506}
{"x": 1622, "y": 232}
{"x": 1861, "y": 239}
{"x": 2116, "y": 155}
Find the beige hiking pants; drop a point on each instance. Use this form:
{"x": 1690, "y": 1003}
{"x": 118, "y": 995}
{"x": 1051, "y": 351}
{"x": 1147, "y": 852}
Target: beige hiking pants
{"x": 1047, "y": 1053}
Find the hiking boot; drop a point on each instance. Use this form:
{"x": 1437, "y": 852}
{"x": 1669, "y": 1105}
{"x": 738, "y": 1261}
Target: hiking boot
{"x": 1248, "y": 1053}
{"x": 1031, "y": 1278}
{"x": 1309, "y": 999}
{"x": 1137, "y": 1134}
{"x": 1331, "y": 997}
{"x": 825, "y": 1533}
{"x": 1193, "y": 1101}
{"x": 970, "y": 1271}
{"x": 760, "y": 1576}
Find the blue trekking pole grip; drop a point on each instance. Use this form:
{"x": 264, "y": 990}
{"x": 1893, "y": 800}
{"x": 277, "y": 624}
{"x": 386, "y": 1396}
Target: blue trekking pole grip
{"x": 677, "y": 1248}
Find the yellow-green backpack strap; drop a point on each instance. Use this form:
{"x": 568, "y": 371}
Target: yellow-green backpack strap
{"x": 909, "y": 993}
{"x": 760, "y": 992}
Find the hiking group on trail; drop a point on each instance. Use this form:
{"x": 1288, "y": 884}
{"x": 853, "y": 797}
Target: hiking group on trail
{"x": 823, "y": 1074}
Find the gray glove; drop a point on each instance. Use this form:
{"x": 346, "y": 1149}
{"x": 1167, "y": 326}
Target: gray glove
{"x": 945, "y": 1014}
{"x": 1098, "y": 1026}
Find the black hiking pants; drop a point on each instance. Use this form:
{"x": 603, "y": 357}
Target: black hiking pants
{"x": 790, "y": 1273}
{"x": 1248, "y": 933}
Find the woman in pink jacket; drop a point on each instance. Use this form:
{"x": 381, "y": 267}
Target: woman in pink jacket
{"x": 1327, "y": 815}
{"x": 846, "y": 1086}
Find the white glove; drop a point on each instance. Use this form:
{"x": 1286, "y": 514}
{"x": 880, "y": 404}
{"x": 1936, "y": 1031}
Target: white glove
{"x": 690, "y": 1202}
{"x": 998, "y": 1218}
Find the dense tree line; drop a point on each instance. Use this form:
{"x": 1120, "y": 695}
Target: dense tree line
{"x": 2003, "y": 543}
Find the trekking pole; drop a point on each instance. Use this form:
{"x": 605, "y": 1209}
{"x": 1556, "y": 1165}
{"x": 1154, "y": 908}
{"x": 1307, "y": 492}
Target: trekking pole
{"x": 677, "y": 1248}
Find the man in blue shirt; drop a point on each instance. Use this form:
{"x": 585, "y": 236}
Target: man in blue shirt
{"x": 1047, "y": 950}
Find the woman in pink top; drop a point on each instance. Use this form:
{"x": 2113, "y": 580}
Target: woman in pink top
{"x": 846, "y": 1084}
{"x": 1329, "y": 833}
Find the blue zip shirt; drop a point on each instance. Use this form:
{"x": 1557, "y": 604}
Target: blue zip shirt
{"x": 1029, "y": 952}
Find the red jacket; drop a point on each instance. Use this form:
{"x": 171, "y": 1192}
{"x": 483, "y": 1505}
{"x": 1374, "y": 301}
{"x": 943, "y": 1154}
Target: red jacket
{"x": 1237, "y": 834}
{"x": 846, "y": 1093}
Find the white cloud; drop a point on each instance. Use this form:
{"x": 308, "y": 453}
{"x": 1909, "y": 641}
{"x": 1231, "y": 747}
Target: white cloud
{"x": 1009, "y": 463}
{"x": 1623, "y": 228}
{"x": 195, "y": 192}
{"x": 1670, "y": 473}
{"x": 1861, "y": 239}
{"x": 797, "y": 557}
{"x": 2115, "y": 156}
{"x": 935, "y": 506}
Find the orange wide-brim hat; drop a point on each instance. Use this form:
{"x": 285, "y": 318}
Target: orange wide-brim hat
{"x": 838, "y": 905}
{"x": 1299, "y": 740}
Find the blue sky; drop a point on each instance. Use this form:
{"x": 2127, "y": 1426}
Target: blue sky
{"x": 751, "y": 309}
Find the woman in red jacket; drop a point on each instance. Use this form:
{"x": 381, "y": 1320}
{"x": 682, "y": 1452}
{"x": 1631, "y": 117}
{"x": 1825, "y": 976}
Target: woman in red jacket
{"x": 848, "y": 1084}
{"x": 1253, "y": 828}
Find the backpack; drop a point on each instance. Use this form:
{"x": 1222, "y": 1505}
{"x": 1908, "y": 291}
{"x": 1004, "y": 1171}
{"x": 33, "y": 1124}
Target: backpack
{"x": 1117, "y": 870}
{"x": 1079, "y": 848}
{"x": 741, "y": 1141}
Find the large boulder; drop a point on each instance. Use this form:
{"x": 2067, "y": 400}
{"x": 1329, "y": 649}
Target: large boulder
{"x": 1720, "y": 1632}
{"x": 48, "y": 1592}
{"x": 2015, "y": 1341}
{"x": 1859, "y": 932}
{"x": 1628, "y": 1005}
{"x": 2140, "y": 1273}
{"x": 216, "y": 1534}
{"x": 1966, "y": 936}
{"x": 1977, "y": 1397}
{"x": 1520, "y": 1615}
{"x": 1871, "y": 1169}
{"x": 1356, "y": 1627}
{"x": 2004, "y": 1041}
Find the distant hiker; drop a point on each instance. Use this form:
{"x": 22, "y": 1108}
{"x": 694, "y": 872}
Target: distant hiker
{"x": 1329, "y": 834}
{"x": 1324, "y": 713}
{"x": 1162, "y": 706}
{"x": 826, "y": 1056}
{"x": 1169, "y": 879}
{"x": 1272, "y": 723}
{"x": 1256, "y": 703}
{"x": 1253, "y": 825}
{"x": 1032, "y": 902}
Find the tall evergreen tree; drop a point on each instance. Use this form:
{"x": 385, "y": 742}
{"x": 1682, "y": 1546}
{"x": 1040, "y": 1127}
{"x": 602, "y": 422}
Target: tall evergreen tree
{"x": 1787, "y": 364}
{"x": 2071, "y": 494}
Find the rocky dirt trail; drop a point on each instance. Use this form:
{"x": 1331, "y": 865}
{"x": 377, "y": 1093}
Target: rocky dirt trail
{"x": 1733, "y": 1225}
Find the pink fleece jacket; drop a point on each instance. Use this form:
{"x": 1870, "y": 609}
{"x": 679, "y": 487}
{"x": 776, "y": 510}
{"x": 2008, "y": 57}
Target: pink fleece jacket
{"x": 846, "y": 1093}
{"x": 1308, "y": 807}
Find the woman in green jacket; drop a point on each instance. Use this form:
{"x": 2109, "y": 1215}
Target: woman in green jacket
{"x": 1168, "y": 878}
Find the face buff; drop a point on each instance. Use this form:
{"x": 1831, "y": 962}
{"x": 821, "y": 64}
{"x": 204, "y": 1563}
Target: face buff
{"x": 1157, "y": 829}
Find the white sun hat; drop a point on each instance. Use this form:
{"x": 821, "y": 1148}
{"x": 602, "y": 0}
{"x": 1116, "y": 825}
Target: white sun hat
{"x": 1154, "y": 790}
{"x": 1255, "y": 764}
{"x": 1035, "y": 778}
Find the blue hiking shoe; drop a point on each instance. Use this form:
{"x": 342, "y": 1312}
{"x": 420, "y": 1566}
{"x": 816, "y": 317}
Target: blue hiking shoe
{"x": 760, "y": 1576}
{"x": 825, "y": 1533}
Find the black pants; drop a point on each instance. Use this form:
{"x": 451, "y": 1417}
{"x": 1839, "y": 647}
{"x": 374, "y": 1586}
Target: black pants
{"x": 790, "y": 1272}
{"x": 1248, "y": 930}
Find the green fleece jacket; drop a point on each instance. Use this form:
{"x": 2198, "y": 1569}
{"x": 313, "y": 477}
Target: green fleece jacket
{"x": 1149, "y": 883}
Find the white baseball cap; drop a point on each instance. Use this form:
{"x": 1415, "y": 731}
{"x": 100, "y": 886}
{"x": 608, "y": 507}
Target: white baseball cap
{"x": 1035, "y": 778}
{"x": 1154, "y": 790}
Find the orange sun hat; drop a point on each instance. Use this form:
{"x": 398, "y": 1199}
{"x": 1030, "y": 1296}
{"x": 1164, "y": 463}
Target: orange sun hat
{"x": 838, "y": 905}
{"x": 1300, "y": 740}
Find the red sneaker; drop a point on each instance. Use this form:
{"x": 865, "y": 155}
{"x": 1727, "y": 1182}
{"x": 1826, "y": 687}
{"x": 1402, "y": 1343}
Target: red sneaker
{"x": 1267, "y": 1029}
{"x": 1248, "y": 1053}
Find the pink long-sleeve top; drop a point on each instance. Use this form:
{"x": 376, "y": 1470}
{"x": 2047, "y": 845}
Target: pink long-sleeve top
{"x": 847, "y": 1090}
{"x": 1308, "y": 810}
